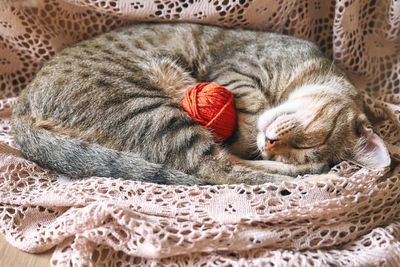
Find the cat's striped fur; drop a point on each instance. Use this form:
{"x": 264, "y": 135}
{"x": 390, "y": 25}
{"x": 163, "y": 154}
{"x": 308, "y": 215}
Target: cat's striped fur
{"x": 110, "y": 106}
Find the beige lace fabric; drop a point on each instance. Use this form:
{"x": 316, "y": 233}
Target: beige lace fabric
{"x": 351, "y": 221}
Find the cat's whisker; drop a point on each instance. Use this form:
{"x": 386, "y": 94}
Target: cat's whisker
{"x": 255, "y": 151}
{"x": 330, "y": 71}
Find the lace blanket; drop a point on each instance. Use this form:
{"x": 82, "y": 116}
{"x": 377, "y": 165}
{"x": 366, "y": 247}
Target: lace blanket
{"x": 351, "y": 221}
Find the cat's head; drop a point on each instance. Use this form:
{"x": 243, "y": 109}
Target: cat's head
{"x": 315, "y": 127}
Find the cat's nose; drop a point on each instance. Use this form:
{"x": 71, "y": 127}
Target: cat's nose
{"x": 269, "y": 143}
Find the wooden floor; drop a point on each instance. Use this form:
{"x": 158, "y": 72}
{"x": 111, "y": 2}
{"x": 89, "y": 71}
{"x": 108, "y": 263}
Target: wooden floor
{"x": 13, "y": 257}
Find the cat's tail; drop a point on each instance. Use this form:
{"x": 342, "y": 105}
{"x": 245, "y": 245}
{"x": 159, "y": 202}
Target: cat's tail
{"x": 78, "y": 158}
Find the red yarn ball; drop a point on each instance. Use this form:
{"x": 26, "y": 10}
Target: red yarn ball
{"x": 212, "y": 106}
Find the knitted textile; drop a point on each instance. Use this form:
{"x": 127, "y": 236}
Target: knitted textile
{"x": 351, "y": 221}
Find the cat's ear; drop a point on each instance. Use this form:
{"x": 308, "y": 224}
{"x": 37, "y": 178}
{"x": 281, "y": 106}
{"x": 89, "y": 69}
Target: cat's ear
{"x": 370, "y": 152}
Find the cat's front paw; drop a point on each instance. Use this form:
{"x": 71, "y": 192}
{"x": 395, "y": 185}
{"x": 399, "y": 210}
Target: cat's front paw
{"x": 312, "y": 168}
{"x": 320, "y": 168}
{"x": 321, "y": 177}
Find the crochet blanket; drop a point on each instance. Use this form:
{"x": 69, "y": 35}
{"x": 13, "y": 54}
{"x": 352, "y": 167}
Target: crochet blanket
{"x": 350, "y": 221}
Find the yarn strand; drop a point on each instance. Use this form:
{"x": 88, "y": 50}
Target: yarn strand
{"x": 212, "y": 106}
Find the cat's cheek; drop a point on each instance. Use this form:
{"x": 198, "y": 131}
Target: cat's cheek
{"x": 264, "y": 121}
{"x": 261, "y": 141}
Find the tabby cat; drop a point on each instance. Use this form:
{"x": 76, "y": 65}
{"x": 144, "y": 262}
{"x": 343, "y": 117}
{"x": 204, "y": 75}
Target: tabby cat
{"x": 111, "y": 106}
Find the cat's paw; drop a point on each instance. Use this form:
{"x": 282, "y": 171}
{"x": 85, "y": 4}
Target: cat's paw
{"x": 312, "y": 168}
{"x": 321, "y": 177}
{"x": 320, "y": 168}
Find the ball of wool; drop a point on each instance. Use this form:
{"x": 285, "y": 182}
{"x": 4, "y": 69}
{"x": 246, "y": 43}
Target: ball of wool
{"x": 212, "y": 106}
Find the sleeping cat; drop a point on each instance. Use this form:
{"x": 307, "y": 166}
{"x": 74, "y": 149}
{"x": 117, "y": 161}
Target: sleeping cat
{"x": 111, "y": 106}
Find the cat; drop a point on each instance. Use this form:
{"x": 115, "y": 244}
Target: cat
{"x": 111, "y": 106}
